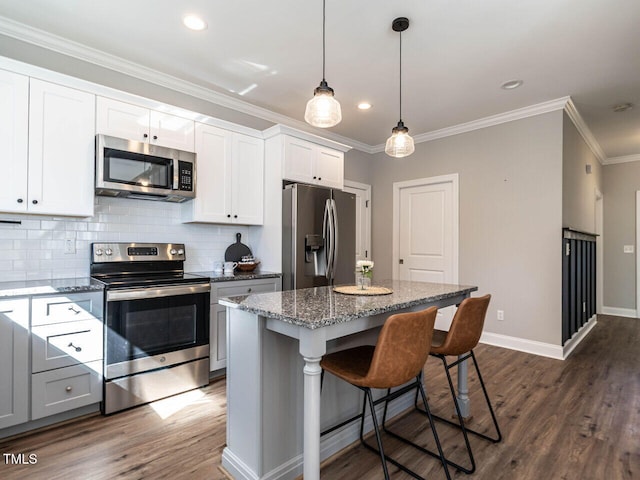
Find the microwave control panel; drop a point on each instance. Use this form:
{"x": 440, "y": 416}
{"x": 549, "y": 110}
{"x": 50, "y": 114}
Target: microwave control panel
{"x": 185, "y": 176}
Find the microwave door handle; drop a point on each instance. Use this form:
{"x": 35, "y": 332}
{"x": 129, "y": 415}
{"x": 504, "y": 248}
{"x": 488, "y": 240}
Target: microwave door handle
{"x": 175, "y": 170}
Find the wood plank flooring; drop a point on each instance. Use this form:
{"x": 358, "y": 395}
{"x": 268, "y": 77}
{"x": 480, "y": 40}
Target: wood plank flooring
{"x": 578, "y": 419}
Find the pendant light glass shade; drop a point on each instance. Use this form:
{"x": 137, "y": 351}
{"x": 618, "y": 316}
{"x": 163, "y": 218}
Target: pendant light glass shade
{"x": 399, "y": 144}
{"x": 323, "y": 110}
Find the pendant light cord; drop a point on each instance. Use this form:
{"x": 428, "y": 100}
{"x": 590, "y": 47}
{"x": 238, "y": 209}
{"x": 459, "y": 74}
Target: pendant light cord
{"x": 400, "y": 76}
{"x": 323, "y": 41}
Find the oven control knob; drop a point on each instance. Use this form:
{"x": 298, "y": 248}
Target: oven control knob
{"x": 173, "y": 251}
{"x": 108, "y": 251}
{"x": 99, "y": 252}
{"x": 180, "y": 251}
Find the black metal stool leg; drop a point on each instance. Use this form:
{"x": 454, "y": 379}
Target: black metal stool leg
{"x": 433, "y": 428}
{"x": 380, "y": 451}
{"x": 486, "y": 396}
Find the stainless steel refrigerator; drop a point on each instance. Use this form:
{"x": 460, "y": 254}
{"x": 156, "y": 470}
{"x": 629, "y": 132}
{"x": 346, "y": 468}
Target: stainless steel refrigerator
{"x": 318, "y": 237}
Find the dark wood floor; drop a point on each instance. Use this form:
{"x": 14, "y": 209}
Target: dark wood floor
{"x": 578, "y": 419}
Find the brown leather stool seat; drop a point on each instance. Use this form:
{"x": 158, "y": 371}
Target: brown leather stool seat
{"x": 463, "y": 336}
{"x": 398, "y": 357}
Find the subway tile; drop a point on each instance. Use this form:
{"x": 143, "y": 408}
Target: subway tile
{"x": 12, "y": 234}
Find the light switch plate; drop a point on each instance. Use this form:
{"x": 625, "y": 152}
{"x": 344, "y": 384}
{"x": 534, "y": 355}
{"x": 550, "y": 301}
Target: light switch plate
{"x": 628, "y": 249}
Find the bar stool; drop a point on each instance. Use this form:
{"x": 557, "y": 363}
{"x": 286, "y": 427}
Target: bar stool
{"x": 399, "y": 356}
{"x": 463, "y": 336}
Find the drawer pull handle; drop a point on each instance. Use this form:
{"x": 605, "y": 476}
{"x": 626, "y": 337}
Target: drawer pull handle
{"x": 74, "y": 310}
{"x": 249, "y": 290}
{"x": 77, "y": 349}
{"x": 68, "y": 389}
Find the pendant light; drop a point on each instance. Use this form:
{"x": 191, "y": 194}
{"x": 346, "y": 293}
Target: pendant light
{"x": 323, "y": 110}
{"x": 400, "y": 144}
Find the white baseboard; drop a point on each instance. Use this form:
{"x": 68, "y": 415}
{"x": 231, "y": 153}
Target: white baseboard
{"x": 523, "y": 345}
{"x": 620, "y": 312}
{"x": 579, "y": 336}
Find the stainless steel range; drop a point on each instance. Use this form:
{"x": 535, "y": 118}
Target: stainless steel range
{"x": 156, "y": 322}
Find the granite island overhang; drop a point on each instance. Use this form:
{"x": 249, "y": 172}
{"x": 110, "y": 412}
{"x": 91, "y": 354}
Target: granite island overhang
{"x": 275, "y": 342}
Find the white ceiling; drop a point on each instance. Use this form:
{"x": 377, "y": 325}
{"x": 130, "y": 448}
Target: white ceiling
{"x": 456, "y": 54}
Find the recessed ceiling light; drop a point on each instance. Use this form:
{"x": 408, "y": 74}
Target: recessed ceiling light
{"x": 364, "y": 105}
{"x": 511, "y": 84}
{"x": 194, "y": 22}
{"x": 623, "y": 107}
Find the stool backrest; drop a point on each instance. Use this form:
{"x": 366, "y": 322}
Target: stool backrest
{"x": 402, "y": 348}
{"x": 466, "y": 326}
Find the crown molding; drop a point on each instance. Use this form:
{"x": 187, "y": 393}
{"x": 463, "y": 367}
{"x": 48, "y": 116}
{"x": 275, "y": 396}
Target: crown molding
{"x": 286, "y": 130}
{"x": 622, "y": 159}
{"x": 518, "y": 114}
{"x": 584, "y": 130}
{"x": 76, "y": 50}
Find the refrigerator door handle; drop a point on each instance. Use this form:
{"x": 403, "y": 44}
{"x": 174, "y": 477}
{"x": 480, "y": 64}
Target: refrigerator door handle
{"x": 334, "y": 243}
{"x": 327, "y": 236}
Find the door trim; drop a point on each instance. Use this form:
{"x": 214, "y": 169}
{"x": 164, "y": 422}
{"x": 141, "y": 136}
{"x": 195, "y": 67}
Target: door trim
{"x": 353, "y": 187}
{"x": 397, "y": 186}
{"x": 599, "y": 226}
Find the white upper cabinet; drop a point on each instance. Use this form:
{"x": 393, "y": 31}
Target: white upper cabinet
{"x": 47, "y": 136}
{"x": 311, "y": 163}
{"x": 61, "y": 150}
{"x": 229, "y": 178}
{"x": 14, "y": 138}
{"x": 125, "y": 120}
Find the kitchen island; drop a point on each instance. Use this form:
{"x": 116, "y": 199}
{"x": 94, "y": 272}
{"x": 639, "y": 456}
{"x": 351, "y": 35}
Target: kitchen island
{"x": 275, "y": 344}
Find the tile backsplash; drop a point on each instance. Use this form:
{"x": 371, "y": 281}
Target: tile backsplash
{"x": 35, "y": 249}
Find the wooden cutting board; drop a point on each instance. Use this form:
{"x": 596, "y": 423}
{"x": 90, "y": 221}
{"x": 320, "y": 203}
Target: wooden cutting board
{"x": 236, "y": 251}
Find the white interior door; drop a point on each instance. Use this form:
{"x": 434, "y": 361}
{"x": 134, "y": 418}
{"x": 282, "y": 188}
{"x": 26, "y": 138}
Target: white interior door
{"x": 426, "y": 233}
{"x": 363, "y": 218}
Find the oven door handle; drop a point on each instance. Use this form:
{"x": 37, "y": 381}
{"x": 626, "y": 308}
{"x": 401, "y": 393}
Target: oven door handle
{"x": 155, "y": 292}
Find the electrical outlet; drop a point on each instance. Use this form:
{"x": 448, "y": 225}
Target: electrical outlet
{"x": 69, "y": 245}
{"x": 628, "y": 249}
{"x": 501, "y": 315}
{"x": 69, "y": 241}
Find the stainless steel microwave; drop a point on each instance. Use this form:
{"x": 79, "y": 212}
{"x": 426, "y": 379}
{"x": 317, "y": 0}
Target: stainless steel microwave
{"x": 126, "y": 168}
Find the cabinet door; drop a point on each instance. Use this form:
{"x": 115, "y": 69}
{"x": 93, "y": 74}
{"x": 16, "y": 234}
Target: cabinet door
{"x": 330, "y": 168}
{"x": 247, "y": 185}
{"x": 14, "y": 362}
{"x": 299, "y": 160}
{"x": 218, "y": 319}
{"x": 171, "y": 131}
{"x": 122, "y": 120}
{"x": 213, "y": 177}
{"x": 61, "y": 150}
{"x": 14, "y": 130}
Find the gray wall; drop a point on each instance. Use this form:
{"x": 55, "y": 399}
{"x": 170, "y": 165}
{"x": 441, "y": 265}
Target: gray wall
{"x": 510, "y": 217}
{"x": 620, "y": 183}
{"x": 358, "y": 166}
{"x": 578, "y": 187}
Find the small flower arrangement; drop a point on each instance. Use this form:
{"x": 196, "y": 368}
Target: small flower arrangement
{"x": 364, "y": 272}
{"x": 365, "y": 268}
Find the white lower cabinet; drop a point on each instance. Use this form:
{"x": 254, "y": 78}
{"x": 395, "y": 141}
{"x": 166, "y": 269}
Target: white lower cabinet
{"x": 63, "y": 389}
{"x": 218, "y": 320}
{"x": 66, "y": 352}
{"x": 14, "y": 362}
{"x": 65, "y": 343}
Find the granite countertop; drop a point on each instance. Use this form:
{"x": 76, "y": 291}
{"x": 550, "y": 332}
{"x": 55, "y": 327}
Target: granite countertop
{"x": 321, "y": 306}
{"x": 49, "y": 287}
{"x": 237, "y": 276}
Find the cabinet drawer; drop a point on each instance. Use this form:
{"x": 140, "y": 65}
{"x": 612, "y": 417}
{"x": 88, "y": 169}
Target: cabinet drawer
{"x": 64, "y": 389}
{"x": 245, "y": 289}
{"x": 66, "y": 308}
{"x": 64, "y": 344}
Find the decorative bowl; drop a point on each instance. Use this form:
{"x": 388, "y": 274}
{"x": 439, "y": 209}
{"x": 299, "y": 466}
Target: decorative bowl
{"x": 248, "y": 267}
